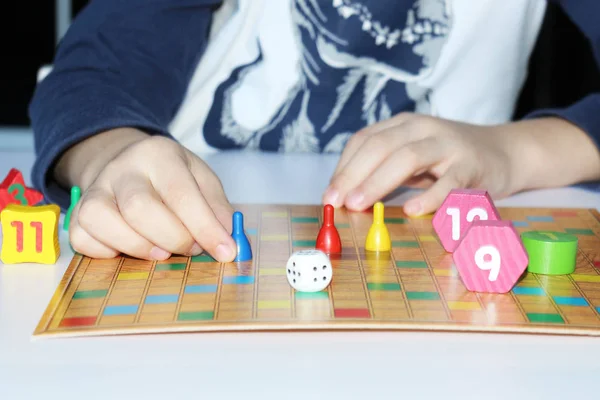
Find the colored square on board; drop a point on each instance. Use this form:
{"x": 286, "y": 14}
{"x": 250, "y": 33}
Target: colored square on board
{"x": 251, "y": 231}
{"x": 170, "y": 267}
{"x": 342, "y": 226}
{"x": 574, "y": 231}
{"x": 274, "y": 238}
{"x": 77, "y": 321}
{"x": 194, "y": 289}
{"x": 570, "y": 301}
{"x": 121, "y": 309}
{"x": 162, "y": 299}
{"x": 352, "y": 313}
{"x": 238, "y": 280}
{"x": 422, "y": 295}
{"x": 411, "y": 264}
{"x": 520, "y": 224}
{"x": 585, "y": 278}
{"x": 312, "y": 295}
{"x": 89, "y": 294}
{"x": 596, "y": 263}
{"x": 132, "y": 276}
{"x": 395, "y": 220}
{"x": 444, "y": 272}
{"x": 463, "y": 305}
{"x": 383, "y": 286}
{"x": 195, "y": 316}
{"x": 405, "y": 244}
{"x": 540, "y": 218}
{"x": 203, "y": 258}
{"x": 427, "y": 238}
{"x": 545, "y": 318}
{"x": 529, "y": 291}
{"x": 305, "y": 243}
{"x": 424, "y": 216}
{"x": 305, "y": 220}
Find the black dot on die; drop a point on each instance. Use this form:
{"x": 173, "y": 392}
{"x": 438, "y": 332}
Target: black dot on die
{"x": 289, "y": 272}
{"x": 324, "y": 278}
{"x": 294, "y": 263}
{"x": 314, "y": 268}
{"x": 315, "y": 279}
{"x": 294, "y": 281}
{"x": 294, "y": 272}
{"x": 324, "y": 266}
{"x": 298, "y": 273}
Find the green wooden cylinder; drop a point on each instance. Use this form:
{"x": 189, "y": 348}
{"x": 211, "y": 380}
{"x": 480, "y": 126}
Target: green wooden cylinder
{"x": 550, "y": 253}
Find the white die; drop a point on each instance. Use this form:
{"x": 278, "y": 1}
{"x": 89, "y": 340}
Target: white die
{"x": 309, "y": 270}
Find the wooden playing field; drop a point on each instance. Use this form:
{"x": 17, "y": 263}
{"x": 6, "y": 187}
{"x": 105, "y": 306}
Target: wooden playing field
{"x": 413, "y": 287}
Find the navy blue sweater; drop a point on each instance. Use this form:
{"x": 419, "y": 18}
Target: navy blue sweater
{"x": 129, "y": 63}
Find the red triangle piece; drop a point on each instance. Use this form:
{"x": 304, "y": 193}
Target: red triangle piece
{"x": 14, "y": 191}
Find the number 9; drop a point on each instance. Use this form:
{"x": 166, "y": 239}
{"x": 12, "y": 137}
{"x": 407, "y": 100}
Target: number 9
{"x": 493, "y": 265}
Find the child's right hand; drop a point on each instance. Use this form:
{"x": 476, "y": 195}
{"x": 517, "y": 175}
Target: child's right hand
{"x": 145, "y": 196}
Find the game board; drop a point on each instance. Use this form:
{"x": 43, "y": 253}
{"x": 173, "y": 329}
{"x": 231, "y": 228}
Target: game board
{"x": 413, "y": 287}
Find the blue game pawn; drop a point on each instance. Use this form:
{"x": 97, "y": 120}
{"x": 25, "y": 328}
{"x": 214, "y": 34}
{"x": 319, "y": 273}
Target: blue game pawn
{"x": 244, "y": 251}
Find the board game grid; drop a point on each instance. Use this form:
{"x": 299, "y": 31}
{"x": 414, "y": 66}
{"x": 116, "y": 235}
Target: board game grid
{"x": 415, "y": 286}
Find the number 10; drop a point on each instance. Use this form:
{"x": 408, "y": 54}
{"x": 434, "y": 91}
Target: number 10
{"x": 455, "y": 214}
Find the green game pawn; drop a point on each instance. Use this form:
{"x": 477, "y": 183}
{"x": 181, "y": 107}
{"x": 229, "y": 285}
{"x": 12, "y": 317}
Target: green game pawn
{"x": 75, "y": 196}
{"x": 550, "y": 253}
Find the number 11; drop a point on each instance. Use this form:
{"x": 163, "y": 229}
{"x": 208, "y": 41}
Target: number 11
{"x": 30, "y": 234}
{"x": 18, "y": 225}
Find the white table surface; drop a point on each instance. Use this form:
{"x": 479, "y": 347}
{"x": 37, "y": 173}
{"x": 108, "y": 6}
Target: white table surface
{"x": 365, "y": 365}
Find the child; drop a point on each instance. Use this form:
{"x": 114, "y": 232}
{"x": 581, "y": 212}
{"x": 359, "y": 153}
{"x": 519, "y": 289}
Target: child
{"x": 410, "y": 92}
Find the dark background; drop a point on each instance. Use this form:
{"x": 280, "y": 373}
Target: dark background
{"x": 562, "y": 67}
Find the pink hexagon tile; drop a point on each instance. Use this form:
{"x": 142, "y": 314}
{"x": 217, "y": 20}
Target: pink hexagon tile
{"x": 491, "y": 257}
{"x": 460, "y": 208}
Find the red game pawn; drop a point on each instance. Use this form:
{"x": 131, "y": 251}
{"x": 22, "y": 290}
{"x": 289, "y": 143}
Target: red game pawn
{"x": 328, "y": 240}
{"x": 14, "y": 191}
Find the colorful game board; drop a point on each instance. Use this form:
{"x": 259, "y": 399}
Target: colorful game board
{"x": 413, "y": 287}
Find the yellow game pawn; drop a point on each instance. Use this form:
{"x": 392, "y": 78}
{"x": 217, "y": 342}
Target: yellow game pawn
{"x": 30, "y": 234}
{"x": 378, "y": 238}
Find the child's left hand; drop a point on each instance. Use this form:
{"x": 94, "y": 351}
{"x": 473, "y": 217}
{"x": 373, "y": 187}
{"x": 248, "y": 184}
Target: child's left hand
{"x": 427, "y": 152}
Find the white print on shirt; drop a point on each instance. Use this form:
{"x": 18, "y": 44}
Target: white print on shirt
{"x": 425, "y": 30}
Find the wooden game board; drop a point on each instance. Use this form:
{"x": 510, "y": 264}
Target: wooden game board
{"x": 413, "y": 287}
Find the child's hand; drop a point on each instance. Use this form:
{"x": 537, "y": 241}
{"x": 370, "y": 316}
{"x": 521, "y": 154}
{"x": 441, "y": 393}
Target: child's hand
{"x": 420, "y": 151}
{"x": 150, "y": 199}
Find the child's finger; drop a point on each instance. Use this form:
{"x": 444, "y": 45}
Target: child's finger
{"x": 431, "y": 199}
{"x": 372, "y": 153}
{"x": 213, "y": 192}
{"x": 83, "y": 243}
{"x": 357, "y": 140}
{"x": 354, "y": 144}
{"x": 101, "y": 219}
{"x": 396, "y": 169}
{"x": 143, "y": 210}
{"x": 180, "y": 191}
